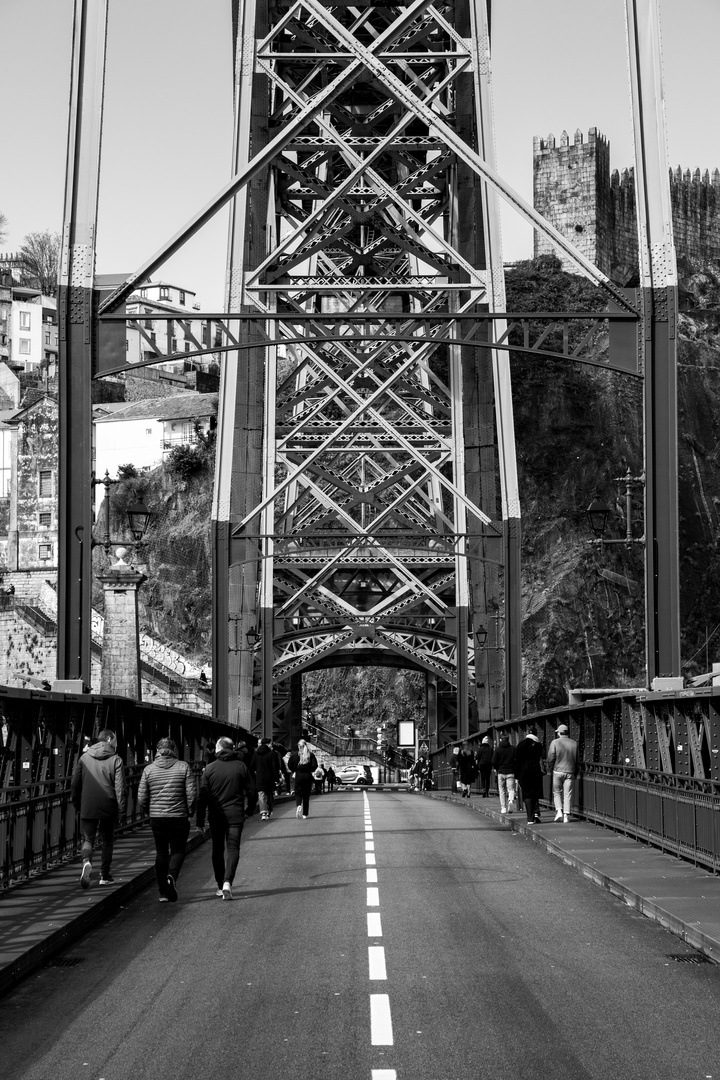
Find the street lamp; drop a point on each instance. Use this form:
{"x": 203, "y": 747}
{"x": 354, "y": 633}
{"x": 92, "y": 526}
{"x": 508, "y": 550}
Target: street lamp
{"x": 597, "y": 514}
{"x": 598, "y": 511}
{"x": 481, "y": 635}
{"x": 138, "y": 515}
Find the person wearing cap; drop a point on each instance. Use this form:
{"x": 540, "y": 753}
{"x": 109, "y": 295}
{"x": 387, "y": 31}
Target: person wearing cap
{"x": 562, "y": 759}
{"x": 484, "y": 762}
{"x": 225, "y": 784}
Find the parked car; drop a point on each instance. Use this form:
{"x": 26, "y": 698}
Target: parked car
{"x": 354, "y": 774}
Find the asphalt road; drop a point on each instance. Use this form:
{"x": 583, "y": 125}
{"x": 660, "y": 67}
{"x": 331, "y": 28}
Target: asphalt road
{"x": 387, "y": 937}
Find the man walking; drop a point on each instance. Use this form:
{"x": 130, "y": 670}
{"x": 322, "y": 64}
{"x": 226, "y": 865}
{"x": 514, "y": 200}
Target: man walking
{"x": 225, "y": 783}
{"x": 97, "y": 789}
{"x": 562, "y": 759}
{"x": 504, "y": 764}
{"x": 267, "y": 774}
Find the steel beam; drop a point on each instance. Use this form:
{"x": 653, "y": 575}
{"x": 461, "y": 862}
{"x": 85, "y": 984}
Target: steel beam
{"x": 76, "y": 345}
{"x": 659, "y": 288}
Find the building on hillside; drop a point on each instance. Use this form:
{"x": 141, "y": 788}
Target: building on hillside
{"x": 28, "y": 510}
{"x": 31, "y": 329}
{"x": 142, "y": 433}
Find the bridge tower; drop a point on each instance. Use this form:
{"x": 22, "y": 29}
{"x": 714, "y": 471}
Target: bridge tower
{"x": 366, "y": 503}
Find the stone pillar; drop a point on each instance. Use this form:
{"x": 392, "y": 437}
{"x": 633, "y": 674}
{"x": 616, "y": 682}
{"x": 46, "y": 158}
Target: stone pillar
{"x": 121, "y": 638}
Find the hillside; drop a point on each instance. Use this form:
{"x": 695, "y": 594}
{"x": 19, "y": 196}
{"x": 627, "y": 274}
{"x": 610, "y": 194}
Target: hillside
{"x": 577, "y": 428}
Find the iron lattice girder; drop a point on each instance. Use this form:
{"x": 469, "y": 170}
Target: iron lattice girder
{"x": 426, "y": 650}
{"x": 580, "y": 336}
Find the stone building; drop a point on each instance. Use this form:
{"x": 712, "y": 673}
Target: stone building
{"x": 593, "y": 207}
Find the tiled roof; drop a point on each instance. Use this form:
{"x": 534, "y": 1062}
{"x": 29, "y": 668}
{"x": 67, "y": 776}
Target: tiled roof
{"x": 188, "y": 406}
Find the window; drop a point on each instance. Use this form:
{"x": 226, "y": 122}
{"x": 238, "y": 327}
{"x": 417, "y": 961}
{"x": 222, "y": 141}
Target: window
{"x": 143, "y": 292}
{"x": 188, "y": 346}
{"x": 47, "y": 337}
{"x": 182, "y": 298}
{"x": 25, "y": 346}
{"x": 173, "y": 344}
{"x": 45, "y": 552}
{"x": 44, "y": 521}
{"x": 24, "y": 320}
{"x": 148, "y": 431}
{"x": 164, "y": 292}
{"x": 45, "y": 486}
{"x": 127, "y": 345}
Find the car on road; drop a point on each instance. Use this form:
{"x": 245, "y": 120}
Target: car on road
{"x": 354, "y": 774}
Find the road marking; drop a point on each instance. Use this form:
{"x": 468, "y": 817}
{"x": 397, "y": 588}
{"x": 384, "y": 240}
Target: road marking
{"x": 374, "y": 924}
{"x": 380, "y": 1020}
{"x": 369, "y": 845}
{"x": 373, "y": 897}
{"x": 384, "y": 1074}
{"x": 371, "y": 875}
{"x": 369, "y": 858}
{"x": 376, "y": 962}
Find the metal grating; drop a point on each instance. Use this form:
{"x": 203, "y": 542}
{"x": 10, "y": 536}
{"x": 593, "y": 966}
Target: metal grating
{"x": 690, "y": 958}
{"x": 65, "y": 961}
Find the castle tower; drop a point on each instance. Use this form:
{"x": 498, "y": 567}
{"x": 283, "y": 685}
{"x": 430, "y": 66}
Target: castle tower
{"x": 571, "y": 187}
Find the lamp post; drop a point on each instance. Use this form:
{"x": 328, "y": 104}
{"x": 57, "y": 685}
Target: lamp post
{"x": 121, "y": 671}
{"x": 598, "y": 513}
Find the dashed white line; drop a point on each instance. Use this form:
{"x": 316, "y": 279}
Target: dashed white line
{"x": 369, "y": 858}
{"x": 376, "y": 962}
{"x": 374, "y": 924}
{"x": 384, "y": 1074}
{"x": 381, "y": 1033}
{"x": 373, "y": 897}
{"x": 371, "y": 875}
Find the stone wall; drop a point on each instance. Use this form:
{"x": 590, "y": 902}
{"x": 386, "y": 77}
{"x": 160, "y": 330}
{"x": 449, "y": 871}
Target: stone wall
{"x": 593, "y": 207}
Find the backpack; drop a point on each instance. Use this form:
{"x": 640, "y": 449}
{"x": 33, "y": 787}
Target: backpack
{"x": 319, "y": 774}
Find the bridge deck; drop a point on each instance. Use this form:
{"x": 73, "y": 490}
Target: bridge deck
{"x": 42, "y": 916}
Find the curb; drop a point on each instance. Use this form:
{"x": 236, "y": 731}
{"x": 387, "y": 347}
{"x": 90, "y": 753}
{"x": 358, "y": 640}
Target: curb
{"x": 55, "y": 942}
{"x": 693, "y": 937}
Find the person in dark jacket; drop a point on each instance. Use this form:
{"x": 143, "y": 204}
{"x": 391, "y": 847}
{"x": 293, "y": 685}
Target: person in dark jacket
{"x": 484, "y": 764}
{"x": 98, "y": 792}
{"x": 267, "y": 774}
{"x": 331, "y": 778}
{"x": 466, "y": 769}
{"x": 504, "y": 764}
{"x": 247, "y": 756}
{"x": 225, "y": 783}
{"x": 167, "y": 794}
{"x": 303, "y": 764}
{"x": 528, "y": 772}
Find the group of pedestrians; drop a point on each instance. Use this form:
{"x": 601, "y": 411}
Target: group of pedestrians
{"x": 520, "y": 770}
{"x": 230, "y": 786}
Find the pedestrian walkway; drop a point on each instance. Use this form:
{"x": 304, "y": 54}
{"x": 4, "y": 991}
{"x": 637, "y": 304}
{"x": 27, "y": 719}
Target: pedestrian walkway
{"x": 40, "y": 917}
{"x": 683, "y": 898}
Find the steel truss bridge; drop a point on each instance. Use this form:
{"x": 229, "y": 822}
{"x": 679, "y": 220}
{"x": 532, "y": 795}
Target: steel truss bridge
{"x": 366, "y": 505}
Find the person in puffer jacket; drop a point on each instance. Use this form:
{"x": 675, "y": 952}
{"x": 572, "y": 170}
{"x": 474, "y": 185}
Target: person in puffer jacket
{"x": 167, "y": 793}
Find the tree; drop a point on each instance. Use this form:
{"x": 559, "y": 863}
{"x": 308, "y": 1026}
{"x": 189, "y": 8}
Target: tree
{"x": 40, "y": 261}
{"x": 3, "y": 228}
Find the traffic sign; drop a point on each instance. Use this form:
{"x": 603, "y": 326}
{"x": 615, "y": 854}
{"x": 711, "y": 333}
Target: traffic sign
{"x": 424, "y": 748}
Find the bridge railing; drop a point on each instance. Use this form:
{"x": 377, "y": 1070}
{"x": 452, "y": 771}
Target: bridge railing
{"x": 41, "y": 737}
{"x": 649, "y": 765}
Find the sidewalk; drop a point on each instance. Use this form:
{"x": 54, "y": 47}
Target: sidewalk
{"x": 681, "y": 897}
{"x": 40, "y": 917}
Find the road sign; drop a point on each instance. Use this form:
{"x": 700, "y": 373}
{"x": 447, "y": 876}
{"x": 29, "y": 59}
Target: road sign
{"x": 424, "y": 748}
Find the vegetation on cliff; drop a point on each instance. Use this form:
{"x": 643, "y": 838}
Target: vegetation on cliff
{"x": 578, "y": 429}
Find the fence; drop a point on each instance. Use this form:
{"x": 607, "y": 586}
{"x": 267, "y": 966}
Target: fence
{"x": 649, "y": 766}
{"x": 42, "y": 737}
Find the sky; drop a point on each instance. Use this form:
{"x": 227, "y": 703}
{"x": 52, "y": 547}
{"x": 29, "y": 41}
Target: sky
{"x": 167, "y": 135}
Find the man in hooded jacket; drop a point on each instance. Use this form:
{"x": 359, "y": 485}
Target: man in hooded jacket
{"x": 97, "y": 789}
{"x": 225, "y": 783}
{"x": 267, "y": 774}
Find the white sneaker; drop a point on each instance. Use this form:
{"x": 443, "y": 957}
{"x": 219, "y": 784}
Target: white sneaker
{"x": 503, "y": 811}
{"x": 85, "y": 875}
{"x": 227, "y": 891}
{"x": 566, "y": 818}
{"x": 218, "y": 892}
{"x": 298, "y": 812}
{"x": 511, "y": 808}
{"x": 559, "y": 816}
